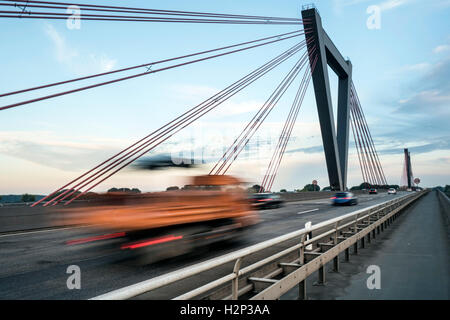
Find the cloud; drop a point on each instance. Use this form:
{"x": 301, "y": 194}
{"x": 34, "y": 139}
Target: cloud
{"x": 197, "y": 93}
{"x": 430, "y": 94}
{"x": 427, "y": 101}
{"x": 417, "y": 67}
{"x": 50, "y": 150}
{"x": 229, "y": 108}
{"x": 193, "y": 91}
{"x": 441, "y": 48}
{"x": 443, "y": 144}
{"x": 384, "y": 6}
{"x": 391, "y": 4}
{"x": 63, "y": 53}
{"x": 314, "y": 149}
{"x": 75, "y": 61}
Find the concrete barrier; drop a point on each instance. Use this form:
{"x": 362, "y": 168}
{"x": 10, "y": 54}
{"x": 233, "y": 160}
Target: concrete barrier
{"x": 444, "y": 202}
{"x": 22, "y": 217}
{"x": 302, "y": 196}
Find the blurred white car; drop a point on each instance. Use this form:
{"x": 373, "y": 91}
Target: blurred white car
{"x": 392, "y": 191}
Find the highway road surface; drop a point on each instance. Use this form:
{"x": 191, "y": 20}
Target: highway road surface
{"x": 412, "y": 256}
{"x": 34, "y": 264}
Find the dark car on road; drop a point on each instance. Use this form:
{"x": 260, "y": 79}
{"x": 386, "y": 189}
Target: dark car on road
{"x": 344, "y": 198}
{"x": 373, "y": 191}
{"x": 266, "y": 201}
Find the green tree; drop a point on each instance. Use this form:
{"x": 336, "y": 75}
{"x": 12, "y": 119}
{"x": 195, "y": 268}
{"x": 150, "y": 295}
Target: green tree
{"x": 28, "y": 197}
{"x": 126, "y": 190}
{"x": 311, "y": 187}
{"x": 283, "y": 191}
{"x": 255, "y": 189}
{"x": 447, "y": 190}
{"x": 365, "y": 185}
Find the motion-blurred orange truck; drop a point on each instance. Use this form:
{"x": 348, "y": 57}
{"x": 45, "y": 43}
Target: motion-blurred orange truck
{"x": 155, "y": 226}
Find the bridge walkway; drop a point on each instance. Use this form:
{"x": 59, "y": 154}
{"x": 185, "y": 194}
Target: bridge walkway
{"x": 413, "y": 256}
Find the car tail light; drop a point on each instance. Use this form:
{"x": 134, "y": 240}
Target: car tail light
{"x": 150, "y": 242}
{"x": 333, "y": 198}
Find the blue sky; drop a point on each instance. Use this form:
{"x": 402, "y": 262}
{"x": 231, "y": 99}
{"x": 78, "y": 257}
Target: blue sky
{"x": 401, "y": 72}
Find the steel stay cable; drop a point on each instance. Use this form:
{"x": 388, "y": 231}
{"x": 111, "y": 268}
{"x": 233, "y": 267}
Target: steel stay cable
{"x": 296, "y": 100}
{"x": 371, "y": 150}
{"x": 283, "y": 132}
{"x": 131, "y": 19}
{"x": 297, "y": 71}
{"x": 304, "y": 42}
{"x": 65, "y": 15}
{"x": 268, "y": 106}
{"x": 366, "y": 158}
{"x": 363, "y": 155}
{"x": 197, "y": 117}
{"x": 139, "y": 74}
{"x": 153, "y": 11}
{"x": 309, "y": 71}
{"x": 289, "y": 51}
{"x": 357, "y": 149}
{"x": 259, "y": 122}
{"x": 366, "y": 139}
{"x": 363, "y": 143}
{"x": 212, "y": 100}
{"x": 252, "y": 122}
{"x": 363, "y": 173}
{"x": 361, "y": 112}
{"x": 143, "y": 65}
{"x": 370, "y": 135}
{"x": 278, "y": 154}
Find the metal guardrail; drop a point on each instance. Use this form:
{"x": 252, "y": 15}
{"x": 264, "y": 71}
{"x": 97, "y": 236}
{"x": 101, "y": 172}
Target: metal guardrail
{"x": 444, "y": 200}
{"x": 374, "y": 217}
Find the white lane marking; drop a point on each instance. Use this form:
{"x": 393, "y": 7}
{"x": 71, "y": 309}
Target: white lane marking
{"x": 40, "y": 231}
{"x": 308, "y": 211}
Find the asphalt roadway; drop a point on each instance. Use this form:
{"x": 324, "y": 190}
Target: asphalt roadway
{"x": 34, "y": 264}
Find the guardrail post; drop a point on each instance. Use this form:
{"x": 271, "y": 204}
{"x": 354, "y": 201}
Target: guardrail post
{"x": 301, "y": 258}
{"x": 335, "y": 241}
{"x": 336, "y": 233}
{"x": 302, "y": 284}
{"x": 321, "y": 275}
{"x": 302, "y": 290}
{"x": 355, "y": 226}
{"x": 235, "y": 281}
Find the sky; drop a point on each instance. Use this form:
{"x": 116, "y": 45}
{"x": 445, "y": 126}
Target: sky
{"x": 400, "y": 70}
